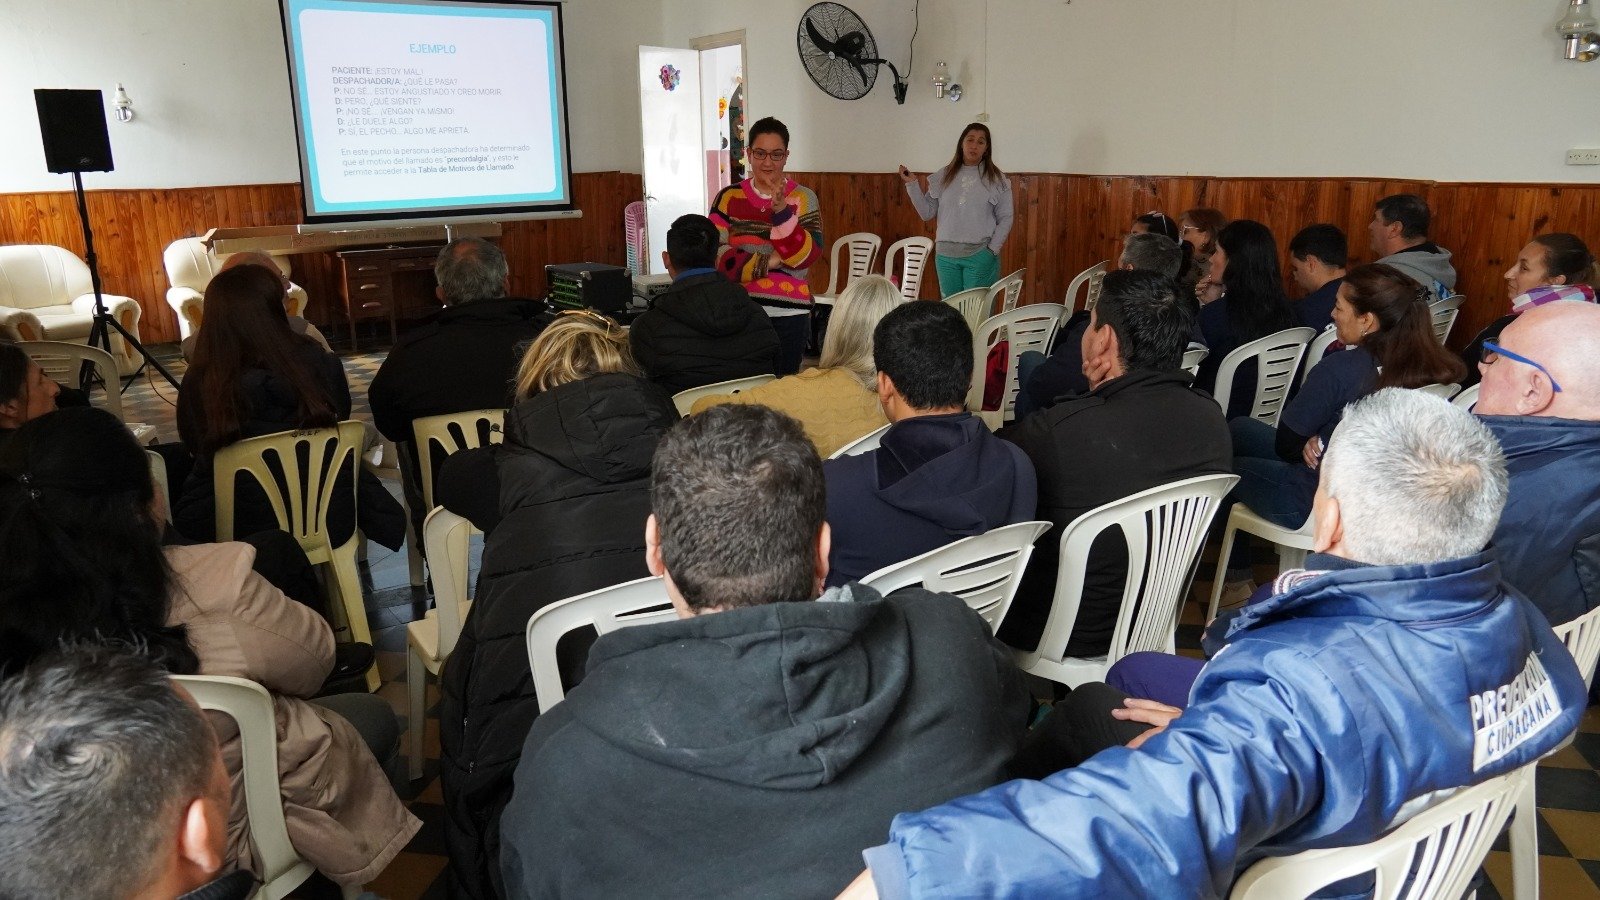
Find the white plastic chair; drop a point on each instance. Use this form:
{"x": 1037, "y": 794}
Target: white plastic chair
{"x": 1442, "y": 391}
{"x": 1467, "y": 398}
{"x": 973, "y": 304}
{"x": 1317, "y": 350}
{"x": 1277, "y": 358}
{"x": 1445, "y": 310}
{"x": 63, "y": 362}
{"x": 430, "y": 639}
{"x": 643, "y": 601}
{"x": 1293, "y": 544}
{"x": 914, "y": 253}
{"x": 1165, "y": 528}
{"x": 433, "y": 439}
{"x": 635, "y": 236}
{"x": 865, "y": 444}
{"x": 158, "y": 477}
{"x": 250, "y": 706}
{"x": 1008, "y": 290}
{"x": 863, "y": 249}
{"x": 1432, "y": 856}
{"x": 684, "y": 400}
{"x": 1025, "y": 328}
{"x": 1089, "y": 281}
{"x": 984, "y": 570}
{"x": 301, "y": 504}
{"x": 1192, "y": 358}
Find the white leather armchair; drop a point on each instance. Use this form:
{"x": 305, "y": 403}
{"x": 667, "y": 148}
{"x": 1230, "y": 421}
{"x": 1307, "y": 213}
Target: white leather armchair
{"x": 46, "y": 294}
{"x": 191, "y": 266}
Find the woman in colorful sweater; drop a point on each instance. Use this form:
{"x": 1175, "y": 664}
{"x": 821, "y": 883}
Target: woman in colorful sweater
{"x": 1552, "y": 267}
{"x": 771, "y": 233}
{"x": 972, "y": 199}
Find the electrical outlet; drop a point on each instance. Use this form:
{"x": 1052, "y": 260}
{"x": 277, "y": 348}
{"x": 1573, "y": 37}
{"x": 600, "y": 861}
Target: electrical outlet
{"x": 1582, "y": 157}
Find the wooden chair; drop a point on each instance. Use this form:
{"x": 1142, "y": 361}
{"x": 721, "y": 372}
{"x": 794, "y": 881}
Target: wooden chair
{"x": 914, "y": 253}
{"x": 1025, "y": 328}
{"x": 863, "y": 248}
{"x": 1277, "y": 358}
{"x": 984, "y": 570}
{"x": 1087, "y": 281}
{"x": 865, "y": 444}
{"x": 1007, "y": 290}
{"x": 1165, "y": 528}
{"x": 643, "y": 601}
{"x": 430, "y": 639}
{"x": 301, "y": 491}
{"x": 684, "y": 400}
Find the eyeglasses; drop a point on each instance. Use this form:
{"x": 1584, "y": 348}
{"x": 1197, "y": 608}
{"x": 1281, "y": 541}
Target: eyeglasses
{"x": 774, "y": 155}
{"x": 1188, "y": 228}
{"x": 1492, "y": 352}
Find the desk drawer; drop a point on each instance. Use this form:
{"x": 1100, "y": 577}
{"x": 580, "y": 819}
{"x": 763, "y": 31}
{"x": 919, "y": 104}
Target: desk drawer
{"x": 363, "y": 290}
{"x": 369, "y": 308}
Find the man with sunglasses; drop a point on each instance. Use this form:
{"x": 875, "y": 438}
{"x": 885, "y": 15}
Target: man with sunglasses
{"x": 1541, "y": 398}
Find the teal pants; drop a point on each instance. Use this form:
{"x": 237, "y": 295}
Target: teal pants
{"x": 979, "y": 270}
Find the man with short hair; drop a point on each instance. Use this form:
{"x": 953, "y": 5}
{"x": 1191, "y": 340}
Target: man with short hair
{"x": 466, "y": 356}
{"x": 1044, "y": 381}
{"x": 748, "y": 748}
{"x": 704, "y": 328}
{"x": 1317, "y": 259}
{"x": 1398, "y": 234}
{"x": 1540, "y": 396}
{"x": 1393, "y": 668}
{"x": 938, "y": 474}
{"x": 111, "y": 784}
{"x": 1142, "y": 424}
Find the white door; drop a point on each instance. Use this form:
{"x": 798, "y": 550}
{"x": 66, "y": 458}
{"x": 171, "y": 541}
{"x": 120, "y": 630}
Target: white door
{"x": 674, "y": 151}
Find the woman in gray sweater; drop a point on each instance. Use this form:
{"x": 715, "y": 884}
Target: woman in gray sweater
{"x": 971, "y": 197}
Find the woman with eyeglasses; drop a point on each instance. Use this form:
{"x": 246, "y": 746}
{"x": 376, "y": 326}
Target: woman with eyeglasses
{"x": 1551, "y": 267}
{"x": 1198, "y": 230}
{"x": 971, "y": 198}
{"x": 563, "y": 502}
{"x": 771, "y": 232}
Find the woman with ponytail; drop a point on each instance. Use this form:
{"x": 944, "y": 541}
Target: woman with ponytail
{"x": 81, "y": 559}
{"x": 1551, "y": 267}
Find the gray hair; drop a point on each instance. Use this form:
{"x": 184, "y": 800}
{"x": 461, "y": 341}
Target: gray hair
{"x": 1151, "y": 252}
{"x": 1417, "y": 479}
{"x": 848, "y": 343}
{"x": 471, "y": 269}
{"x": 98, "y": 755}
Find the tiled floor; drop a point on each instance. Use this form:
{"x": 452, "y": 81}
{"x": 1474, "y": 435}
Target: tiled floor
{"x": 1568, "y": 782}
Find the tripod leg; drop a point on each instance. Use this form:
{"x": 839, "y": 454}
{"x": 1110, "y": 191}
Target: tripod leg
{"x": 134, "y": 343}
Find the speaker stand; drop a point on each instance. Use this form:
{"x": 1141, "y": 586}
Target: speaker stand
{"x": 100, "y": 331}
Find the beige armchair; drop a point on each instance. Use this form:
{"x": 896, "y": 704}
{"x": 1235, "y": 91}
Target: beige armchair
{"x": 46, "y": 295}
{"x": 191, "y": 266}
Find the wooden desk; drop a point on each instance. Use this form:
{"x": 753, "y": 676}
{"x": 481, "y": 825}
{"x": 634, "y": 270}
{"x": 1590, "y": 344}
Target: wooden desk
{"x": 393, "y": 283}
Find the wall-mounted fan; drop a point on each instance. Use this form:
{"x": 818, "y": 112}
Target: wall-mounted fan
{"x": 840, "y": 55}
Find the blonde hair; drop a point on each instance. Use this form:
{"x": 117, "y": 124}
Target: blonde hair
{"x": 855, "y": 316}
{"x": 575, "y": 346}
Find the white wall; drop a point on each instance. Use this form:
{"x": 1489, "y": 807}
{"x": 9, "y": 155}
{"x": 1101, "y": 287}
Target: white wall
{"x": 1466, "y": 91}
{"x": 210, "y": 87}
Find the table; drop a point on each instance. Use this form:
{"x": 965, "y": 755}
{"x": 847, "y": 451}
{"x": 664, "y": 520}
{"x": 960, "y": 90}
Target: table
{"x": 393, "y": 283}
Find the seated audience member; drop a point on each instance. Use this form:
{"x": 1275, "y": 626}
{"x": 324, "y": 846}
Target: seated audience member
{"x": 81, "y": 559}
{"x": 1252, "y": 306}
{"x": 1346, "y": 699}
{"x": 563, "y": 502}
{"x": 297, "y": 324}
{"x": 1552, "y": 267}
{"x": 110, "y": 785}
{"x": 1141, "y": 425}
{"x": 837, "y": 401}
{"x": 1541, "y": 397}
{"x": 844, "y": 710}
{"x": 1382, "y": 315}
{"x": 26, "y": 393}
{"x": 938, "y": 474}
{"x": 464, "y": 357}
{"x": 1197, "y": 235}
{"x": 252, "y": 376}
{"x": 1398, "y": 234}
{"x": 1317, "y": 258}
{"x": 1045, "y": 380}
{"x": 705, "y": 328}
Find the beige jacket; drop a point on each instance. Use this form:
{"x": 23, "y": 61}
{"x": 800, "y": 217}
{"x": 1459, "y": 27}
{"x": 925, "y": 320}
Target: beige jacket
{"x": 342, "y": 813}
{"x": 832, "y": 405}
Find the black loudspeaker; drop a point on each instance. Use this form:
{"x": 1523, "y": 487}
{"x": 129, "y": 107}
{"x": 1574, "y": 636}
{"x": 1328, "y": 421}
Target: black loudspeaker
{"x": 73, "y": 124}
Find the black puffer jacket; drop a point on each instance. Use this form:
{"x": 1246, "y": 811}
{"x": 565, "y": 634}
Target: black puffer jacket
{"x": 703, "y": 330}
{"x": 574, "y": 480}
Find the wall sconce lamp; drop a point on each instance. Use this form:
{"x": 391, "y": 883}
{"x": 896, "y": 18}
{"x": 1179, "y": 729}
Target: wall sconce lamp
{"x": 122, "y": 104}
{"x": 942, "y": 88}
{"x": 1581, "y": 33}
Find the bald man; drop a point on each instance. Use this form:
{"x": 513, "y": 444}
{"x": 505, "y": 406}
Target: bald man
{"x": 297, "y": 324}
{"x": 1541, "y": 397}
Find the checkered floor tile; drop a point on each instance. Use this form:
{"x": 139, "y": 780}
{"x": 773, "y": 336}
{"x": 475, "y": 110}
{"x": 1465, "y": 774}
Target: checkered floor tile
{"x": 1568, "y": 782}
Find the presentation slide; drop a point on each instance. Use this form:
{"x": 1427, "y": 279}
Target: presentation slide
{"x": 428, "y": 109}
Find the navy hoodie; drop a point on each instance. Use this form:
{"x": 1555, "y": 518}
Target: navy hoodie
{"x": 932, "y": 480}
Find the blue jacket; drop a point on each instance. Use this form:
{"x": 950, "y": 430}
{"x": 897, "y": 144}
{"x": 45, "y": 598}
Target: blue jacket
{"x": 1548, "y": 541}
{"x": 1333, "y": 714}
